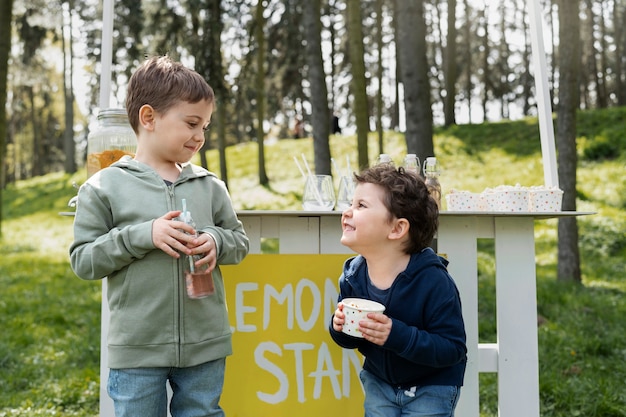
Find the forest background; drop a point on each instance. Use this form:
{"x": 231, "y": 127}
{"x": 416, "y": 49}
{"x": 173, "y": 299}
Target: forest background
{"x": 473, "y": 55}
{"x": 406, "y": 65}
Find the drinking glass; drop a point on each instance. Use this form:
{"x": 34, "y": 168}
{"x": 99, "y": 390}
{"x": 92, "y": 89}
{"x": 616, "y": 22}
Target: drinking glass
{"x": 319, "y": 194}
{"x": 345, "y": 191}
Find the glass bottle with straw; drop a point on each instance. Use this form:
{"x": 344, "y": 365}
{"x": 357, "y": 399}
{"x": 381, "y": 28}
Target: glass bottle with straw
{"x": 198, "y": 279}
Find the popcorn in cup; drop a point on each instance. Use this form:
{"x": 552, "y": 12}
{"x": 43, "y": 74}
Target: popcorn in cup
{"x": 515, "y": 200}
{"x": 543, "y": 199}
{"x": 507, "y": 198}
{"x": 356, "y": 309}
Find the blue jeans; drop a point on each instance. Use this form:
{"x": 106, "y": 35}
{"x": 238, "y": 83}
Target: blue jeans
{"x": 196, "y": 390}
{"x": 384, "y": 400}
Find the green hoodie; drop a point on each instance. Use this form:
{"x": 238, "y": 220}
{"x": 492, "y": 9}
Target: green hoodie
{"x": 153, "y": 323}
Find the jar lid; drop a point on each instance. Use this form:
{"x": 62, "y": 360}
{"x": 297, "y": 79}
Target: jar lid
{"x": 112, "y": 113}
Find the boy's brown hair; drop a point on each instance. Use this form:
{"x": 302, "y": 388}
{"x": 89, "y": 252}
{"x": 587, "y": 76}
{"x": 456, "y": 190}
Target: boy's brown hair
{"x": 162, "y": 83}
{"x": 406, "y": 196}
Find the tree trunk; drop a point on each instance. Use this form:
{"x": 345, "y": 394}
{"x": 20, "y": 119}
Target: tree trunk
{"x": 603, "y": 97}
{"x": 6, "y": 13}
{"x": 395, "y": 114}
{"x": 69, "y": 146}
{"x": 37, "y": 156}
{"x": 320, "y": 112}
{"x": 358, "y": 84}
{"x": 467, "y": 55}
{"x": 260, "y": 89}
{"x": 414, "y": 69}
{"x": 450, "y": 64}
{"x": 594, "y": 71}
{"x": 485, "y": 63}
{"x": 503, "y": 56}
{"x": 217, "y": 80}
{"x": 569, "y": 58}
{"x": 553, "y": 36}
{"x": 332, "y": 34}
{"x": 619, "y": 48}
{"x": 198, "y": 45}
{"x": 379, "y": 76}
{"x": 526, "y": 78}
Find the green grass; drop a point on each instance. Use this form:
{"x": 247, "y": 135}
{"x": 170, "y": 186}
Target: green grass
{"x": 49, "y": 350}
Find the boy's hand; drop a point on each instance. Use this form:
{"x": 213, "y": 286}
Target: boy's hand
{"x": 339, "y": 318}
{"x": 376, "y": 329}
{"x": 172, "y": 236}
{"x": 204, "y": 244}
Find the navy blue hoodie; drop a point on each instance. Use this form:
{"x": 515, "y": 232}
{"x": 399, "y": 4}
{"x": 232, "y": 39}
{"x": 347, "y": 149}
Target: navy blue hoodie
{"x": 426, "y": 345}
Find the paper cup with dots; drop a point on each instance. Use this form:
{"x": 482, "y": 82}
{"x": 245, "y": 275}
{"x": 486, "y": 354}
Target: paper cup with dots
{"x": 513, "y": 200}
{"x": 465, "y": 201}
{"x": 545, "y": 200}
{"x": 356, "y": 309}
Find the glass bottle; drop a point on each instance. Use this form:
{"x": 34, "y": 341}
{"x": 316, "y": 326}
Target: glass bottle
{"x": 412, "y": 163}
{"x": 431, "y": 174}
{"x": 112, "y": 139}
{"x": 384, "y": 158}
{"x": 198, "y": 279}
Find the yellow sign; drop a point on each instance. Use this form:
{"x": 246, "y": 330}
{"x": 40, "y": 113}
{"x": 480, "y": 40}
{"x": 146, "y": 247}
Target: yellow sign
{"x": 284, "y": 361}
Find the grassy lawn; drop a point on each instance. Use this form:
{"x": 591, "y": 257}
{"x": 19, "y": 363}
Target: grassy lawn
{"x": 49, "y": 350}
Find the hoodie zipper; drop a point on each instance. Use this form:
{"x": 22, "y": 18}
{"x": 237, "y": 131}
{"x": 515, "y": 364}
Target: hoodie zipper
{"x": 178, "y": 302}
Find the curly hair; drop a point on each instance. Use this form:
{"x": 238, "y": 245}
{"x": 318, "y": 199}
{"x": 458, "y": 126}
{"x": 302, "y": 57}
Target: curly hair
{"x": 406, "y": 196}
{"x": 162, "y": 83}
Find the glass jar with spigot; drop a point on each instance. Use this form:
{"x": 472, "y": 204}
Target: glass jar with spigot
{"x": 112, "y": 139}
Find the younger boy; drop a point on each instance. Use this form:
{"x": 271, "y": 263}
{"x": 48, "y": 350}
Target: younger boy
{"x": 415, "y": 351}
{"x": 126, "y": 229}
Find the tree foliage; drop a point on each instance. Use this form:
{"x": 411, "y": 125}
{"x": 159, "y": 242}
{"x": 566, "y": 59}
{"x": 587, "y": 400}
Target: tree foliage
{"x": 466, "y": 61}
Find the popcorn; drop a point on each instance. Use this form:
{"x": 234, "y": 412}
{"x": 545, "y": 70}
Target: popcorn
{"x": 507, "y": 198}
{"x": 544, "y": 199}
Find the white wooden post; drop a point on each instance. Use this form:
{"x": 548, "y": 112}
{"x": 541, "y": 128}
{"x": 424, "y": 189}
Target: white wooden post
{"x": 516, "y": 306}
{"x": 106, "y": 56}
{"x": 457, "y": 241}
{"x": 544, "y": 105}
{"x": 106, "y": 404}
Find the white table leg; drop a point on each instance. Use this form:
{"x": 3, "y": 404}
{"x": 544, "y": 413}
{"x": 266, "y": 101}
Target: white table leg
{"x": 516, "y": 295}
{"x": 457, "y": 240}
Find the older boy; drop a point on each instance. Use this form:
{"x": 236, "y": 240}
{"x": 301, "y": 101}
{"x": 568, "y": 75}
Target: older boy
{"x": 126, "y": 229}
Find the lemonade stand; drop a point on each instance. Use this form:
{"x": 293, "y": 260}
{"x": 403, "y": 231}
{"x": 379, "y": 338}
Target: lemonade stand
{"x": 280, "y": 304}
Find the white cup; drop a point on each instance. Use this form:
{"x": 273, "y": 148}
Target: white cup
{"x": 356, "y": 309}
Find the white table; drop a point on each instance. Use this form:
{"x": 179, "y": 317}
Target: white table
{"x": 514, "y": 355}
